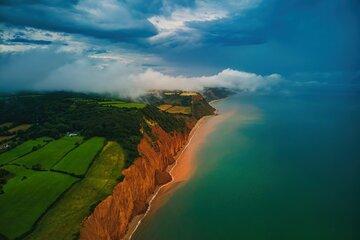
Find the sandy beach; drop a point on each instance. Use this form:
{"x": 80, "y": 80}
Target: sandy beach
{"x": 183, "y": 168}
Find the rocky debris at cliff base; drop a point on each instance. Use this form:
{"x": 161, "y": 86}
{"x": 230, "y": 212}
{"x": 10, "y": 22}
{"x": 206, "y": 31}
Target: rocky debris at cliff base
{"x": 162, "y": 177}
{"x": 140, "y": 207}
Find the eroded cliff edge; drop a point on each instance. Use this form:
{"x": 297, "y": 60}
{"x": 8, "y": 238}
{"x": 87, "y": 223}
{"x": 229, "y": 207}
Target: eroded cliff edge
{"x": 157, "y": 150}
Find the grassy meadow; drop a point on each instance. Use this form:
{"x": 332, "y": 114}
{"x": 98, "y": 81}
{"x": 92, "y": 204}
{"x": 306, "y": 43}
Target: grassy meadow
{"x": 175, "y": 109}
{"x": 63, "y": 221}
{"x": 165, "y": 107}
{"x": 78, "y": 160}
{"x": 179, "y": 109}
{"x": 122, "y": 104}
{"x": 49, "y": 155}
{"x": 51, "y": 205}
{"x": 22, "y": 149}
{"x": 26, "y": 197}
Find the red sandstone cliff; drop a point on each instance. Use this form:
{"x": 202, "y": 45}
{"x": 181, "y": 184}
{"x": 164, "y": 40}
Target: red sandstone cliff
{"x": 111, "y": 217}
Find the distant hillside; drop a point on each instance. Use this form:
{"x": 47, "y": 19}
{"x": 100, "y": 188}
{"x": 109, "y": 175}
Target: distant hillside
{"x": 211, "y": 94}
{"x": 183, "y": 103}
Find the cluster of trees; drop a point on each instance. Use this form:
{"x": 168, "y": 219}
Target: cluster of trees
{"x": 161, "y": 97}
{"x": 201, "y": 108}
{"x": 177, "y": 99}
{"x": 4, "y": 131}
{"x": 4, "y": 176}
{"x": 167, "y": 121}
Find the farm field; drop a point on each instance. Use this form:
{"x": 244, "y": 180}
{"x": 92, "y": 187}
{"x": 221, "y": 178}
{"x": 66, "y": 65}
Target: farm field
{"x": 6, "y": 125}
{"x": 78, "y": 160}
{"x": 189, "y": 94}
{"x": 122, "y": 104}
{"x": 165, "y": 107}
{"x": 179, "y": 109}
{"x": 49, "y": 155}
{"x": 22, "y": 149}
{"x": 22, "y": 127}
{"x": 175, "y": 109}
{"x": 63, "y": 221}
{"x": 5, "y": 138}
{"x": 34, "y": 192}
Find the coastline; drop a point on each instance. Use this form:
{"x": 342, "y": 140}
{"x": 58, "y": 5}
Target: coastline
{"x": 182, "y": 169}
{"x": 217, "y": 100}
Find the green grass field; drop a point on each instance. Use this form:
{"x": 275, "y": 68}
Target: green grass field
{"x": 63, "y": 221}
{"x": 175, "y": 109}
{"x": 122, "y": 104}
{"x": 27, "y": 196}
{"x": 164, "y": 107}
{"x": 22, "y": 149}
{"x": 179, "y": 109}
{"x": 77, "y": 161}
{"x": 50, "y": 154}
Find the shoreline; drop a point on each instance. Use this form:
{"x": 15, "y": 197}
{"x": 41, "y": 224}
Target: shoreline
{"x": 136, "y": 221}
{"x": 217, "y": 100}
{"x": 182, "y": 169}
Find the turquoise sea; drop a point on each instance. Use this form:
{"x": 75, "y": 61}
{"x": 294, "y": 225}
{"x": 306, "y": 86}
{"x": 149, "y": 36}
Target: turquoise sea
{"x": 282, "y": 167}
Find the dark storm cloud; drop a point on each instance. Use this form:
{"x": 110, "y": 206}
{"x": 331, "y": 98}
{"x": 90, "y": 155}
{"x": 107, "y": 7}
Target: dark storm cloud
{"x": 284, "y": 36}
{"x": 22, "y": 71}
{"x": 31, "y": 41}
{"x": 64, "y": 20}
{"x": 129, "y": 21}
{"x": 237, "y": 30}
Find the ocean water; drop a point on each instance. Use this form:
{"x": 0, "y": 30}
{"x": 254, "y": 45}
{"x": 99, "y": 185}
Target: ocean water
{"x": 282, "y": 167}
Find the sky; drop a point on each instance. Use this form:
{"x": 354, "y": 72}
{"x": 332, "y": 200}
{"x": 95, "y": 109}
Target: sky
{"x": 128, "y": 47}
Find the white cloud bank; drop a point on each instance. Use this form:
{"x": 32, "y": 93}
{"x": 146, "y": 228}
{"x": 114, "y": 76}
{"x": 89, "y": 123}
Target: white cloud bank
{"x": 229, "y": 78}
{"x": 128, "y": 81}
{"x": 104, "y": 73}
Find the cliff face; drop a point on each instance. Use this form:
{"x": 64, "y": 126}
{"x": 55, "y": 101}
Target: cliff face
{"x": 111, "y": 217}
{"x": 157, "y": 151}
